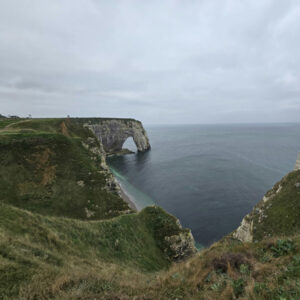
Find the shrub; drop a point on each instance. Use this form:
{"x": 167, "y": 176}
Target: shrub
{"x": 238, "y": 287}
{"x": 259, "y": 287}
{"x": 282, "y": 247}
{"x": 244, "y": 269}
{"x": 293, "y": 269}
{"x": 233, "y": 259}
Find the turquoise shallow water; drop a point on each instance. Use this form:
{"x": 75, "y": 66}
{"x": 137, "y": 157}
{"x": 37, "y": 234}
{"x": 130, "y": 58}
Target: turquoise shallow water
{"x": 209, "y": 176}
{"x": 139, "y": 198}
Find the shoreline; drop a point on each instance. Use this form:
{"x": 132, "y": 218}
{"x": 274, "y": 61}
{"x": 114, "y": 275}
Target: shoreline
{"x": 126, "y": 197}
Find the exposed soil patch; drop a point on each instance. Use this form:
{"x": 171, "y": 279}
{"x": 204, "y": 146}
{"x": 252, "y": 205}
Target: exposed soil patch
{"x": 64, "y": 129}
{"x": 42, "y": 163}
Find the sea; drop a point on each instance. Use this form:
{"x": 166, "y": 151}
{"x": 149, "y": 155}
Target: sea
{"x": 208, "y": 176}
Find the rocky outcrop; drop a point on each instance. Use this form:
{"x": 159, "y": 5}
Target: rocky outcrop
{"x": 176, "y": 242}
{"x": 244, "y": 232}
{"x": 113, "y": 133}
{"x": 181, "y": 246}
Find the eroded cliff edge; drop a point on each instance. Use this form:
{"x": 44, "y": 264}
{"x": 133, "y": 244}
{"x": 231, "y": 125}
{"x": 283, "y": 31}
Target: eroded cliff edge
{"x": 277, "y": 214}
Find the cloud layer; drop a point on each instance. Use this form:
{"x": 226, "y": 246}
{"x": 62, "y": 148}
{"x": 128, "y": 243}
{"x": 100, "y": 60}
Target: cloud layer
{"x": 173, "y": 61}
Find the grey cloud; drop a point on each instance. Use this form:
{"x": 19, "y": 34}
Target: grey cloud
{"x": 198, "y": 61}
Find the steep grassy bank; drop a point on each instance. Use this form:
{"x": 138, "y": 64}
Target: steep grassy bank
{"x": 230, "y": 269}
{"x": 32, "y": 245}
{"x": 122, "y": 258}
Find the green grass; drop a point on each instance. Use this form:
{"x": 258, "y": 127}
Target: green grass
{"x": 45, "y": 125}
{"x": 126, "y": 238}
{"x": 45, "y": 257}
{"x": 72, "y": 127}
{"x": 6, "y": 122}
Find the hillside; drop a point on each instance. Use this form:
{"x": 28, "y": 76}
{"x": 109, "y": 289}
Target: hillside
{"x": 56, "y": 167}
{"x": 65, "y": 233}
{"x": 59, "y": 258}
{"x": 39, "y": 248}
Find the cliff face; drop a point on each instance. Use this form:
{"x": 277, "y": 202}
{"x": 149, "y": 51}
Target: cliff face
{"x": 297, "y": 166}
{"x": 114, "y": 132}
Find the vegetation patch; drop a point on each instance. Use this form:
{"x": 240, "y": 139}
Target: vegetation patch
{"x": 282, "y": 247}
{"x": 233, "y": 260}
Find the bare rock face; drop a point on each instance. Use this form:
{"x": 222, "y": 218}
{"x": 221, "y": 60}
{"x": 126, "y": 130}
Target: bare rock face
{"x": 113, "y": 133}
{"x": 244, "y": 232}
{"x": 181, "y": 245}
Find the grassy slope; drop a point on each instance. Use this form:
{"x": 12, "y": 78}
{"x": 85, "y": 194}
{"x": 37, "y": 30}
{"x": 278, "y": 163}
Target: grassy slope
{"x": 33, "y": 245}
{"x": 5, "y": 122}
{"x": 230, "y": 269}
{"x": 59, "y": 258}
{"x": 41, "y": 165}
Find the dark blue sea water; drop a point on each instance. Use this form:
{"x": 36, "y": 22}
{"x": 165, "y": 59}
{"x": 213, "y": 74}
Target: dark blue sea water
{"x": 209, "y": 176}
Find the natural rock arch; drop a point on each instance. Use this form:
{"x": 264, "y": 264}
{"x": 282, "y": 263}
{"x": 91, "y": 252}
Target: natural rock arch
{"x": 114, "y": 132}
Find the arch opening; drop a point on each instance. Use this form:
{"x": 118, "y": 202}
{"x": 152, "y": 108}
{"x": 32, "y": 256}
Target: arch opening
{"x": 130, "y": 145}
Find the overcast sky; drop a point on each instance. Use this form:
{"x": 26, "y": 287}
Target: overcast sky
{"x": 193, "y": 61}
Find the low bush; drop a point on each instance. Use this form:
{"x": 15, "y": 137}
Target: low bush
{"x": 235, "y": 260}
{"x": 282, "y": 247}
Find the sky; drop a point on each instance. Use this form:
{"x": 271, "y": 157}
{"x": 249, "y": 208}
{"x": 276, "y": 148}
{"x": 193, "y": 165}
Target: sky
{"x": 171, "y": 61}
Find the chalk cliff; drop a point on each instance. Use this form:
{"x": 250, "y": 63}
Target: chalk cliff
{"x": 297, "y": 166}
{"x": 276, "y": 214}
{"x": 114, "y": 132}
